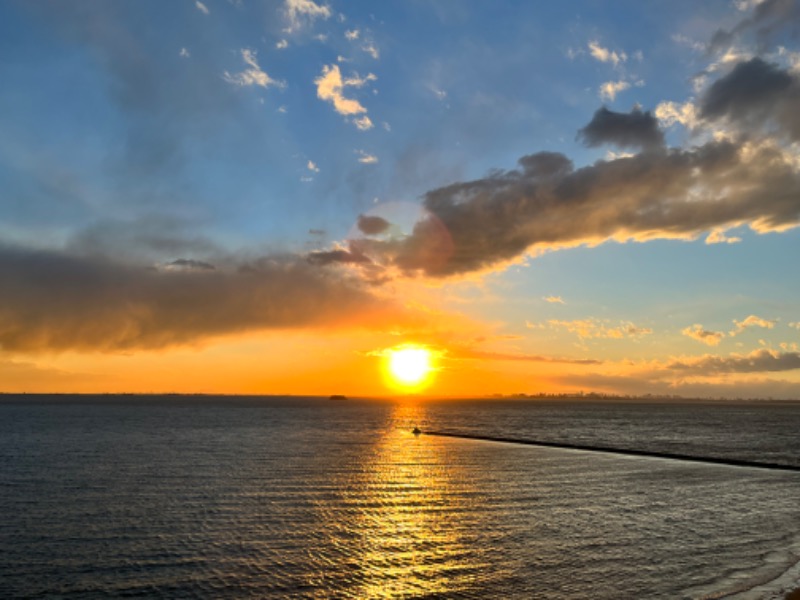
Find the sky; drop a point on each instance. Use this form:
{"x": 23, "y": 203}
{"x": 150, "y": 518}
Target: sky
{"x": 267, "y": 196}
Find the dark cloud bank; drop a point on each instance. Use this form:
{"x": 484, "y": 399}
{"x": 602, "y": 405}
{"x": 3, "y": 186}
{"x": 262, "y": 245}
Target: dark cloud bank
{"x": 56, "y": 301}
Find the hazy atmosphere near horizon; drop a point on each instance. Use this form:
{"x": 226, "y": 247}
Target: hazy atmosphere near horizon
{"x": 366, "y": 198}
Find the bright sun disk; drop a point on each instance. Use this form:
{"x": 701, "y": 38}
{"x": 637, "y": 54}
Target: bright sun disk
{"x": 410, "y": 365}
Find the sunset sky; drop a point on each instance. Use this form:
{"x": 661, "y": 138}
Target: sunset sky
{"x": 242, "y": 196}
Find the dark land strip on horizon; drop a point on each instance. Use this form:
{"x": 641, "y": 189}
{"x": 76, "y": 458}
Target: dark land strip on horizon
{"x": 731, "y": 462}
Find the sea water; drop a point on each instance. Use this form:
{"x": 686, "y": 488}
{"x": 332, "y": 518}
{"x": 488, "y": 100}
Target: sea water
{"x": 203, "y": 497}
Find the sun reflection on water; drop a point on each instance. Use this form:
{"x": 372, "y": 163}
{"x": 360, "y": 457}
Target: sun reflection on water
{"x": 411, "y": 527}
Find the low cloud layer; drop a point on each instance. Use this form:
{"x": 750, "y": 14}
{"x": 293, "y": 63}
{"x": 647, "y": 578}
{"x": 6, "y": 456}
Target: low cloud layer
{"x": 56, "y": 301}
{"x": 759, "y": 361}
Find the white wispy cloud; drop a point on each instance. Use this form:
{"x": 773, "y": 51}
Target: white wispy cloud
{"x": 554, "y": 299}
{"x": 371, "y": 49}
{"x": 202, "y": 7}
{"x": 352, "y": 34}
{"x": 357, "y": 81}
{"x": 298, "y": 10}
{"x": 709, "y": 338}
{"x": 311, "y": 166}
{"x": 610, "y": 89}
{"x": 281, "y": 44}
{"x": 367, "y": 159}
{"x": 605, "y": 55}
{"x": 254, "y": 75}
{"x": 184, "y": 53}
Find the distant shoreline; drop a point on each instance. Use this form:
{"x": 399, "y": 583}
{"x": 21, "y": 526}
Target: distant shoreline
{"x": 541, "y": 398}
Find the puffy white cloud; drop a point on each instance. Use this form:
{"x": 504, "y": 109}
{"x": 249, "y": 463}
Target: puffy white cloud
{"x": 330, "y": 88}
{"x": 610, "y": 89}
{"x": 363, "y": 123}
{"x": 367, "y": 159}
{"x": 605, "y": 55}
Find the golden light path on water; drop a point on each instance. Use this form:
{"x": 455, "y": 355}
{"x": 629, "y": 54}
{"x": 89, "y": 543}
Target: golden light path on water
{"x": 410, "y": 525}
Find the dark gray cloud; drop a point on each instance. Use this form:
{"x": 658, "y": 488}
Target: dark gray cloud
{"x": 479, "y": 224}
{"x": 756, "y": 95}
{"x": 635, "y": 129}
{"x": 149, "y": 237}
{"x": 190, "y": 264}
{"x": 372, "y": 225}
{"x": 771, "y": 22}
{"x": 57, "y": 301}
{"x": 339, "y": 255}
{"x": 760, "y": 361}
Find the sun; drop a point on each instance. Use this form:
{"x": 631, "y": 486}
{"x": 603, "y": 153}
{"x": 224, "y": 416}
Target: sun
{"x": 409, "y": 367}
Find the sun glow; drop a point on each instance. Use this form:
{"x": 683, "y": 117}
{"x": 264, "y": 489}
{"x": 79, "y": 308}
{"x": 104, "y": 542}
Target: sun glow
{"x": 409, "y": 367}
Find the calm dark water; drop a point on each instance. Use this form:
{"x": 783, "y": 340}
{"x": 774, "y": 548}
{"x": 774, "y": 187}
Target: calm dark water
{"x": 308, "y": 498}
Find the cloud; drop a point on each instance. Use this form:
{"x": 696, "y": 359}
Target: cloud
{"x": 372, "y": 225}
{"x": 751, "y": 321}
{"x": 146, "y": 238}
{"x": 352, "y": 34}
{"x": 610, "y": 89}
{"x": 190, "y": 264}
{"x": 282, "y": 44}
{"x": 338, "y": 256}
{"x": 184, "y": 53}
{"x": 795, "y": 325}
{"x": 593, "y": 328}
{"x": 547, "y": 203}
{"x": 754, "y": 96}
{"x": 758, "y": 361}
{"x": 768, "y": 20}
{"x": 330, "y": 88}
{"x": 363, "y": 123}
{"x": 54, "y": 300}
{"x": 367, "y": 159}
{"x": 311, "y": 166}
{"x": 255, "y": 75}
{"x": 606, "y": 55}
{"x": 717, "y": 236}
{"x": 202, "y": 7}
{"x": 554, "y": 299}
{"x": 298, "y": 11}
{"x": 471, "y": 354}
{"x": 371, "y": 49}
{"x": 740, "y": 387}
{"x": 710, "y": 338}
{"x": 635, "y": 129}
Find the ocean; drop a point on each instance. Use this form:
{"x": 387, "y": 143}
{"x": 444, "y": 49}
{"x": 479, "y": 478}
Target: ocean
{"x": 288, "y": 497}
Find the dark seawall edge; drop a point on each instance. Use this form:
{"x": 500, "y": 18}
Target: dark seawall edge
{"x": 730, "y": 462}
